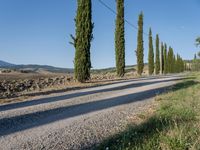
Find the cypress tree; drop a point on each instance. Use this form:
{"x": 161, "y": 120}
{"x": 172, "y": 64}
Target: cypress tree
{"x": 151, "y": 54}
{"x": 140, "y": 48}
{"x": 195, "y": 56}
{"x": 182, "y": 65}
{"x": 120, "y": 40}
{"x": 162, "y": 58}
{"x": 170, "y": 60}
{"x": 165, "y": 59}
{"x": 174, "y": 63}
{"x": 82, "y": 41}
{"x": 157, "y": 67}
{"x": 178, "y": 63}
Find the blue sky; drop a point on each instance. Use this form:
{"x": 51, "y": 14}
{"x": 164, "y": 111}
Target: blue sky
{"x": 37, "y": 31}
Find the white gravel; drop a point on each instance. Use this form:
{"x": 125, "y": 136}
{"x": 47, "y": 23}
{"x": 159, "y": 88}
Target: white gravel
{"x": 78, "y": 119}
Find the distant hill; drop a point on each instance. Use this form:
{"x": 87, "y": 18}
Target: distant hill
{"x": 128, "y": 68}
{"x": 5, "y": 64}
{"x": 51, "y": 69}
{"x": 41, "y": 68}
{"x": 35, "y": 68}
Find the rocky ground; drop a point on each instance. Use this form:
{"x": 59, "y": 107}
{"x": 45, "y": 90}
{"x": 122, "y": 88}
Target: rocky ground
{"x": 15, "y": 85}
{"x": 10, "y": 88}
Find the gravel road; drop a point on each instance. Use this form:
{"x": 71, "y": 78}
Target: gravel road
{"x": 77, "y": 119}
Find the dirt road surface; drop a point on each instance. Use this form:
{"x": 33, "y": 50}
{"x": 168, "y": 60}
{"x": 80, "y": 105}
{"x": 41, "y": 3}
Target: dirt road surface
{"x": 77, "y": 119}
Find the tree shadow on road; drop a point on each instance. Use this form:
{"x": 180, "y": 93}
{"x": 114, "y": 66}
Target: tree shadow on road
{"x": 78, "y": 94}
{"x": 27, "y": 121}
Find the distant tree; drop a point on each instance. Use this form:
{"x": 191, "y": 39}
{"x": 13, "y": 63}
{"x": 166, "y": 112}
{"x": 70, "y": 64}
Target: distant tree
{"x": 195, "y": 56}
{"x": 198, "y": 54}
{"x": 151, "y": 54}
{"x": 198, "y": 44}
{"x": 82, "y": 41}
{"x": 198, "y": 41}
{"x": 120, "y": 40}
{"x": 157, "y": 67}
{"x": 170, "y": 60}
{"x": 162, "y": 59}
{"x": 196, "y": 63}
{"x": 174, "y": 63}
{"x": 178, "y": 64}
{"x": 140, "y": 48}
{"x": 182, "y": 65}
{"x": 165, "y": 59}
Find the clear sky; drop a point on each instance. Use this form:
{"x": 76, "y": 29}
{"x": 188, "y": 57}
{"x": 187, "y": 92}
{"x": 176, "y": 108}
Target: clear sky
{"x": 37, "y": 31}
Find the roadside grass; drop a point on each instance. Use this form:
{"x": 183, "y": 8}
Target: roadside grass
{"x": 175, "y": 125}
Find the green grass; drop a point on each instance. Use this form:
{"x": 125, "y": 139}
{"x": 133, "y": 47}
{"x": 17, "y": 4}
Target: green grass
{"x": 175, "y": 125}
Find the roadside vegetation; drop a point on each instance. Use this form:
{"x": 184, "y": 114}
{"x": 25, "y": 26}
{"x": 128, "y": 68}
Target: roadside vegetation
{"x": 174, "y": 125}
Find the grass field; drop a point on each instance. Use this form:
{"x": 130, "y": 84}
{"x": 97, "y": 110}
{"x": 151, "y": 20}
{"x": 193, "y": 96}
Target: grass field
{"x": 175, "y": 125}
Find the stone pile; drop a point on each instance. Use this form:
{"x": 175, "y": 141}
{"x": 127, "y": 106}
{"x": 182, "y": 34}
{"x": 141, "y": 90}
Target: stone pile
{"x": 14, "y": 87}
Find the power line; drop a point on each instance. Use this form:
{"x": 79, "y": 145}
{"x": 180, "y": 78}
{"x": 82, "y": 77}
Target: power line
{"x": 128, "y": 22}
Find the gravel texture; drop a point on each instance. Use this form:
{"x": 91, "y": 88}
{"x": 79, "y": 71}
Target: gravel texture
{"x": 78, "y": 119}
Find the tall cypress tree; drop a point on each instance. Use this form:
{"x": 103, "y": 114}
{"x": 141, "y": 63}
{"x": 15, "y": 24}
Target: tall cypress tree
{"x": 178, "y": 67}
{"x": 157, "y": 67}
{"x": 162, "y": 58}
{"x": 120, "y": 40}
{"x": 182, "y": 65}
{"x": 174, "y": 64}
{"x": 151, "y": 54}
{"x": 140, "y": 48}
{"x": 170, "y": 60}
{"x": 82, "y": 41}
{"x": 179, "y": 64}
{"x": 195, "y": 56}
{"x": 165, "y": 59}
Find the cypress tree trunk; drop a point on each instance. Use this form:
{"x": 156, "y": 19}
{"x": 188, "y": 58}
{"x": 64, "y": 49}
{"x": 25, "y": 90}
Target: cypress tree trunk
{"x": 120, "y": 40}
{"x": 157, "y": 68}
{"x": 151, "y": 54}
{"x": 140, "y": 48}
{"x": 82, "y": 41}
{"x": 165, "y": 59}
{"x": 162, "y": 58}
